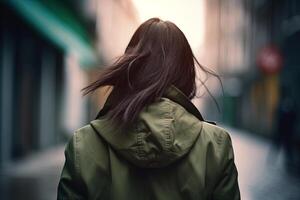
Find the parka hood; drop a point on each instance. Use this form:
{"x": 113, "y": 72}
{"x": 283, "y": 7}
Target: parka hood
{"x": 164, "y": 131}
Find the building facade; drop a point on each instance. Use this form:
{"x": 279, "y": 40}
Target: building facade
{"x": 45, "y": 53}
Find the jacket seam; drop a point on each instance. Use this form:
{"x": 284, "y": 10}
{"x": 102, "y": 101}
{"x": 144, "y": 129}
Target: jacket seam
{"x": 140, "y": 151}
{"x": 108, "y": 150}
{"x": 225, "y": 162}
{"x": 167, "y": 133}
{"x": 76, "y": 156}
{"x": 80, "y": 182}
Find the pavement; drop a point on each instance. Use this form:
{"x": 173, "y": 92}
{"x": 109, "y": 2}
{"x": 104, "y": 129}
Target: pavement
{"x": 262, "y": 174}
{"x": 34, "y": 178}
{"x": 262, "y": 171}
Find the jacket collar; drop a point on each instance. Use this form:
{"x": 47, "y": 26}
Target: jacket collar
{"x": 176, "y": 95}
{"x": 172, "y": 93}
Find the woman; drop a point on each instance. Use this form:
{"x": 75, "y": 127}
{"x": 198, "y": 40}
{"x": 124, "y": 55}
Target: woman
{"x": 149, "y": 141}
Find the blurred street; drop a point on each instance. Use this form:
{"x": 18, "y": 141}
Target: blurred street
{"x": 52, "y": 49}
{"x": 261, "y": 174}
{"x": 34, "y": 178}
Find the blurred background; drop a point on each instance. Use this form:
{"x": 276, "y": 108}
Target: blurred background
{"x": 50, "y": 49}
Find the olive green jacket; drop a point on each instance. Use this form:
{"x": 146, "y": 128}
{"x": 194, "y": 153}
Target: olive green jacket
{"x": 170, "y": 153}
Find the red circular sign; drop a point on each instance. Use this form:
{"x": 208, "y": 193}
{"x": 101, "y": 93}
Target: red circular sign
{"x": 270, "y": 59}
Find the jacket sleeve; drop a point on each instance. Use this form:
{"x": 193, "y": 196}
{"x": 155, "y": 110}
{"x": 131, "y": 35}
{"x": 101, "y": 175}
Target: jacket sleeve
{"x": 227, "y": 187}
{"x": 70, "y": 184}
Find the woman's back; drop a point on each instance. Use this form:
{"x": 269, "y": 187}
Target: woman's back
{"x": 168, "y": 153}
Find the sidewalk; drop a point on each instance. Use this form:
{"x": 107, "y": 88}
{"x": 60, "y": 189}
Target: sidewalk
{"x": 262, "y": 175}
{"x": 34, "y": 178}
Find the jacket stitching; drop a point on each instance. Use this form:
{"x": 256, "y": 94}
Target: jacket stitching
{"x": 76, "y": 155}
{"x": 140, "y": 152}
{"x": 167, "y": 133}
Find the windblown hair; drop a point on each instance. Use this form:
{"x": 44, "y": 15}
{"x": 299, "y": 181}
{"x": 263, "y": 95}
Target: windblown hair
{"x": 157, "y": 56}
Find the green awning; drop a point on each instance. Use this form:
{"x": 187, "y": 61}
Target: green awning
{"x": 56, "y": 22}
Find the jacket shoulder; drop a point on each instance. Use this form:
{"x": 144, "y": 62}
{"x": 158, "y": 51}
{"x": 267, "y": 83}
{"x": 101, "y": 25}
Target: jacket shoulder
{"x": 90, "y": 147}
{"x": 216, "y": 134}
{"x": 86, "y": 156}
{"x": 217, "y": 144}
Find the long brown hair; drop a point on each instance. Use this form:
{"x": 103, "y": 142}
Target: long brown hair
{"x": 157, "y": 56}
